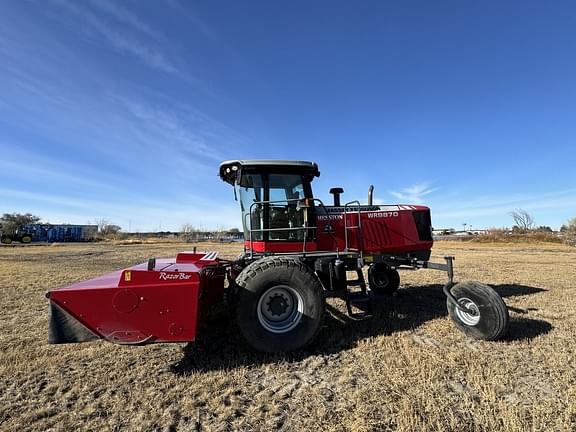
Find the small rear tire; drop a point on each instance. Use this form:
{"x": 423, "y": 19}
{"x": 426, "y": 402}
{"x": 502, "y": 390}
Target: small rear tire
{"x": 26, "y": 238}
{"x": 488, "y": 317}
{"x": 279, "y": 305}
{"x": 382, "y": 279}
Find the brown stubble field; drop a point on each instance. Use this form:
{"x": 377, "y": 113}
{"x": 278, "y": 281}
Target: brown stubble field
{"x": 407, "y": 369}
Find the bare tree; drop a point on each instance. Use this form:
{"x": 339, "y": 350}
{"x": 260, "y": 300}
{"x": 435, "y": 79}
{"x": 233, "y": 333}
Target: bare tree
{"x": 569, "y": 230}
{"x": 220, "y": 233}
{"x": 106, "y": 228}
{"x": 12, "y": 222}
{"x": 111, "y": 230}
{"x": 102, "y": 222}
{"x": 524, "y": 221}
{"x": 188, "y": 232}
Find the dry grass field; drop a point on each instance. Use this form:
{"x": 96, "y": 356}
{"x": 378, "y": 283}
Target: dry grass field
{"x": 407, "y": 369}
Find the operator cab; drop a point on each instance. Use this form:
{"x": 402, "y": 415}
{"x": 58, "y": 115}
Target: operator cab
{"x": 276, "y": 201}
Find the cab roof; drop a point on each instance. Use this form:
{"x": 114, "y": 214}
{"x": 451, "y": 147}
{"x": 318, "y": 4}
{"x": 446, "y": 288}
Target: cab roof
{"x": 229, "y": 169}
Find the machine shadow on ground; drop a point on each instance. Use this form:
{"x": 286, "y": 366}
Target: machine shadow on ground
{"x": 219, "y": 346}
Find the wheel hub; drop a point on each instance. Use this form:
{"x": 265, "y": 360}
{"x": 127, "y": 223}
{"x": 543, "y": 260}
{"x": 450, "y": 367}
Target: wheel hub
{"x": 278, "y": 305}
{"x": 280, "y": 309}
{"x": 381, "y": 279}
{"x": 472, "y": 318}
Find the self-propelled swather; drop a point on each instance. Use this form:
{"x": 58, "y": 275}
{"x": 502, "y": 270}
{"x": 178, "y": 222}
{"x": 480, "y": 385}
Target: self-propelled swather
{"x": 297, "y": 252}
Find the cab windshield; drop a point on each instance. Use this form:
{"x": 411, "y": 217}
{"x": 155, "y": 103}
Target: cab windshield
{"x": 269, "y": 204}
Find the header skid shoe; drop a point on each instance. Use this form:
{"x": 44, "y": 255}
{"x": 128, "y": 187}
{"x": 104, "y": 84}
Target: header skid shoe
{"x": 156, "y": 301}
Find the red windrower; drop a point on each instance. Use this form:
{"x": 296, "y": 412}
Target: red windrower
{"x": 297, "y": 252}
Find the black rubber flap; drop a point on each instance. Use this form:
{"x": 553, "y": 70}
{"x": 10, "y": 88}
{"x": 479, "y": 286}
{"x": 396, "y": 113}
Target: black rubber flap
{"x": 64, "y": 328}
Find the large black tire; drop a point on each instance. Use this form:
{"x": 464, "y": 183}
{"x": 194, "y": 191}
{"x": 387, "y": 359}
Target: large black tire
{"x": 280, "y": 304}
{"x": 383, "y": 279}
{"x": 26, "y": 238}
{"x": 6, "y": 240}
{"x": 490, "y": 318}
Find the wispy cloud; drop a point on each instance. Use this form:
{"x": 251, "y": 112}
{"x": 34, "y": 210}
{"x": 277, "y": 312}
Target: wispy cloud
{"x": 414, "y": 194}
{"x": 40, "y": 90}
{"x": 165, "y": 214}
{"x": 31, "y": 169}
{"x": 116, "y": 36}
{"x": 184, "y": 129}
{"x": 196, "y": 22}
{"x": 125, "y": 16}
{"x": 95, "y": 144}
{"x": 494, "y": 206}
{"x": 120, "y": 124}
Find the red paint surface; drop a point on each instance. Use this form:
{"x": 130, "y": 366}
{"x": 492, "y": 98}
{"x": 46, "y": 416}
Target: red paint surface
{"x": 380, "y": 234}
{"x": 138, "y": 305}
{"x": 383, "y": 232}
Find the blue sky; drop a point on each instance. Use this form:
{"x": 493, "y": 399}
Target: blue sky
{"x": 123, "y": 109}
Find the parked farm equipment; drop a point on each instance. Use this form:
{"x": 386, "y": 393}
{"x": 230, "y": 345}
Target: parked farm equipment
{"x": 20, "y": 235}
{"x": 298, "y": 251}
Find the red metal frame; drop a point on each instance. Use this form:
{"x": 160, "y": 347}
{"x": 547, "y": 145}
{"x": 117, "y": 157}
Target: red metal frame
{"x": 280, "y": 246}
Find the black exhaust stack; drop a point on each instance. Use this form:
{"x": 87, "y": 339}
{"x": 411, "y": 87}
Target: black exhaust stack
{"x": 336, "y": 192}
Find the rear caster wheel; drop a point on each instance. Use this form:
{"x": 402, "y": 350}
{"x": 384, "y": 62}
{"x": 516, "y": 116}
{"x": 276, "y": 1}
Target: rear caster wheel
{"x": 382, "y": 279}
{"x": 487, "y": 317}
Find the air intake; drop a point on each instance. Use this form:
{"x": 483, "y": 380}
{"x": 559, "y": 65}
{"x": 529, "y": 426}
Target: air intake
{"x": 423, "y": 224}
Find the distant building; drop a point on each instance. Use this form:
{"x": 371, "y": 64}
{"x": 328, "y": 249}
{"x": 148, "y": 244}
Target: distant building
{"x": 60, "y": 233}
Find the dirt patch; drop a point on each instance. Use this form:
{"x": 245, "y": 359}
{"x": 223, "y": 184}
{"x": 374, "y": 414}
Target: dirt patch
{"x": 408, "y": 368}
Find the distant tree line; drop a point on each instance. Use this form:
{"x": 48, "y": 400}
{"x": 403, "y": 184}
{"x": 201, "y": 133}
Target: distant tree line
{"x": 524, "y": 224}
{"x": 107, "y": 229}
{"x": 189, "y": 233}
{"x": 524, "y": 229}
{"x": 11, "y": 223}
{"x": 569, "y": 230}
{"x": 16, "y": 226}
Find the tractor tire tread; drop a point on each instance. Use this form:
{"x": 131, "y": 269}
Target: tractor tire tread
{"x": 272, "y": 263}
{"x": 499, "y": 311}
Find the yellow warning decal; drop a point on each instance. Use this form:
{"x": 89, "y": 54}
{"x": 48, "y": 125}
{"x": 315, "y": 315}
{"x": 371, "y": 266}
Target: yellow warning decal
{"x": 369, "y": 259}
{"x": 127, "y": 276}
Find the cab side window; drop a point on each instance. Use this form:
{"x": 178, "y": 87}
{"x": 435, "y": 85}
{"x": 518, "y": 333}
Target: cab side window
{"x": 285, "y": 216}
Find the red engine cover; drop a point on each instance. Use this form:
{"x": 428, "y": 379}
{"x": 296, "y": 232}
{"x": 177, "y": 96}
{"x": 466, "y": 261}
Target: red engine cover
{"x": 390, "y": 229}
{"x": 384, "y": 230}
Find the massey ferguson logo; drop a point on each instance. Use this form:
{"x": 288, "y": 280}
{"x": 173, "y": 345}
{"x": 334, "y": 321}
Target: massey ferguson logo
{"x": 174, "y": 276}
